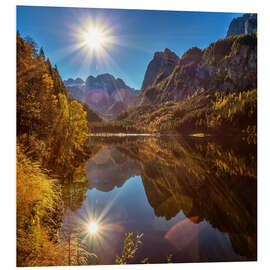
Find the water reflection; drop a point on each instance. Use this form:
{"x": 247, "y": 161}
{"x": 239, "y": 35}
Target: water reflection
{"x": 193, "y": 197}
{"x": 110, "y": 168}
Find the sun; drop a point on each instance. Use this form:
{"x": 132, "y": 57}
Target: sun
{"x": 93, "y": 227}
{"x": 92, "y": 41}
{"x": 95, "y": 38}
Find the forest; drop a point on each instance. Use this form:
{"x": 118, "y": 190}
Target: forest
{"x": 51, "y": 132}
{"x": 53, "y": 143}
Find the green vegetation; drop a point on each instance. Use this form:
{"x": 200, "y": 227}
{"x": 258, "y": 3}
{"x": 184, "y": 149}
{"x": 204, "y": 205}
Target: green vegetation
{"x": 214, "y": 53}
{"x": 51, "y": 134}
{"x": 130, "y": 248}
{"x": 51, "y": 128}
{"x": 210, "y": 178}
{"x": 116, "y": 127}
{"x": 194, "y": 54}
{"x": 227, "y": 47}
{"x": 203, "y": 112}
{"x": 229, "y": 64}
{"x": 39, "y": 215}
{"x": 91, "y": 116}
{"x": 53, "y": 142}
{"x": 131, "y": 245}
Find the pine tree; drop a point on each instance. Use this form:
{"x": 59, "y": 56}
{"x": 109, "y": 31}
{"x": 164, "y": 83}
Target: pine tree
{"x": 41, "y": 53}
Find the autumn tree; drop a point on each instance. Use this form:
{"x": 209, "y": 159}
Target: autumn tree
{"x": 45, "y": 116}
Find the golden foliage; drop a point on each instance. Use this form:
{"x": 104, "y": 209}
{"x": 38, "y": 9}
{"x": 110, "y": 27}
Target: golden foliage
{"x": 131, "y": 245}
{"x": 38, "y": 198}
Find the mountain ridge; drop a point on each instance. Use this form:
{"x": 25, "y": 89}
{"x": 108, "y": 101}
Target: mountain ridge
{"x": 161, "y": 65}
{"x": 104, "y": 93}
{"x": 229, "y": 64}
{"x": 243, "y": 25}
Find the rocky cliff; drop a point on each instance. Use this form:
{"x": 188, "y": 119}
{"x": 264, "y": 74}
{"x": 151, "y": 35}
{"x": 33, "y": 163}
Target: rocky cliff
{"x": 243, "y": 25}
{"x": 72, "y": 82}
{"x": 228, "y": 64}
{"x": 105, "y": 94}
{"x": 160, "y": 67}
{"x": 106, "y": 82}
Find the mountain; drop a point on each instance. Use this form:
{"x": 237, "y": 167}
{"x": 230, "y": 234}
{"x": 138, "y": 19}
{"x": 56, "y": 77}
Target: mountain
{"x": 243, "y": 25}
{"x": 71, "y": 82}
{"x": 228, "y": 65}
{"x": 160, "y": 67}
{"x": 91, "y": 115}
{"x": 110, "y": 168}
{"x": 106, "y": 82}
{"x": 105, "y": 94}
{"x": 210, "y": 91}
{"x": 188, "y": 175}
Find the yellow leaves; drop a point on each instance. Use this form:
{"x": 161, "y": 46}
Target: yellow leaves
{"x": 79, "y": 175}
{"x": 33, "y": 186}
{"x": 47, "y": 80}
{"x": 71, "y": 129}
{"x": 36, "y": 198}
{"x": 63, "y": 107}
{"x": 78, "y": 123}
{"x": 131, "y": 245}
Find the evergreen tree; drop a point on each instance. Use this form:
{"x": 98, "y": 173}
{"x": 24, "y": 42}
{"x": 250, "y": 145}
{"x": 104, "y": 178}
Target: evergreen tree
{"x": 41, "y": 53}
{"x": 33, "y": 44}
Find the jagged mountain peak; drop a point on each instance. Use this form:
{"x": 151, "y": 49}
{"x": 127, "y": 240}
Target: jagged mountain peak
{"x": 105, "y": 76}
{"x": 162, "y": 63}
{"x": 243, "y": 25}
{"x": 104, "y": 93}
{"x": 105, "y": 81}
{"x": 166, "y": 54}
{"x": 228, "y": 64}
{"x": 71, "y": 82}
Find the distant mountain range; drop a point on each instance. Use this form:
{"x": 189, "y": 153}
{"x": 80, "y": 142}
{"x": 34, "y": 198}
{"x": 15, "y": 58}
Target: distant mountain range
{"x": 229, "y": 64}
{"x": 104, "y": 93}
{"x": 211, "y": 90}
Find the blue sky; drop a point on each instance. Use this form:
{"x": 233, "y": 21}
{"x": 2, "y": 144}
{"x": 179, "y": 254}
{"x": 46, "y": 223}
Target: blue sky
{"x": 137, "y": 35}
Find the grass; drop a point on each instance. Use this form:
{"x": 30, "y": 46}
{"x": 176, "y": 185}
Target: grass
{"x": 38, "y": 215}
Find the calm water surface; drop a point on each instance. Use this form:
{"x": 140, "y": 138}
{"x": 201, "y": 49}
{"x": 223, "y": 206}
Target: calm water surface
{"x": 195, "y": 198}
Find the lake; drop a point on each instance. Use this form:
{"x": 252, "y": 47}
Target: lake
{"x": 192, "y": 197}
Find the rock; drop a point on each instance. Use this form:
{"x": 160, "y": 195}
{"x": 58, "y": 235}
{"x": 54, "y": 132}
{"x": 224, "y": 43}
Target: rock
{"x": 162, "y": 64}
{"x": 243, "y": 25}
{"x": 106, "y": 82}
{"x": 74, "y": 83}
{"x": 104, "y": 94}
{"x": 229, "y": 64}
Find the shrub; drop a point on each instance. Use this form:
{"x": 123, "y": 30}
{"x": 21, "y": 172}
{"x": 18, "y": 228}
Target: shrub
{"x": 38, "y": 200}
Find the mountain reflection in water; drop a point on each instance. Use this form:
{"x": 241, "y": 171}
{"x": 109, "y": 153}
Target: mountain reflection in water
{"x": 195, "y": 198}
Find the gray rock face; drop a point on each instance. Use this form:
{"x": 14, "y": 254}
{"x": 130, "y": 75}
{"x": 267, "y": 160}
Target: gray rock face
{"x": 106, "y": 82}
{"x": 104, "y": 94}
{"x": 161, "y": 65}
{"x": 243, "y": 25}
{"x": 74, "y": 83}
{"x": 227, "y": 65}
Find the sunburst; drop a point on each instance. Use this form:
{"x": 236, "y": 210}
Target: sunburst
{"x": 95, "y": 38}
